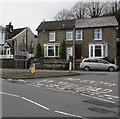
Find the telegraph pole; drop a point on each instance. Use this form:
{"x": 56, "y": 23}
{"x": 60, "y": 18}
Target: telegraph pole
{"x": 74, "y": 47}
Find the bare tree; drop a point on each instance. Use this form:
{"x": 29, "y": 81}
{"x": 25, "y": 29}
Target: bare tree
{"x": 94, "y": 9}
{"x": 78, "y": 10}
{"x": 63, "y": 15}
{"x": 111, "y": 8}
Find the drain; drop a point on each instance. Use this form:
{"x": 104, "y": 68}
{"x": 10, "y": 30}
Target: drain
{"x": 100, "y": 110}
{"x": 100, "y": 103}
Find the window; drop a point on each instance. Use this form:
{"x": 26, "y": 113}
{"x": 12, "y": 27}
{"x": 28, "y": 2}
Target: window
{"x": 2, "y": 37}
{"x": 98, "y": 34}
{"x": 51, "y": 50}
{"x": 52, "y": 36}
{"x": 69, "y": 35}
{"x": 98, "y": 50}
{"x": 78, "y": 34}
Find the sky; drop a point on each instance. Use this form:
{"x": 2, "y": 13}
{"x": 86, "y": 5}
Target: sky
{"x": 30, "y": 13}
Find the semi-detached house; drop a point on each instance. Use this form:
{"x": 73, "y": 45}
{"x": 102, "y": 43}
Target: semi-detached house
{"x": 94, "y": 37}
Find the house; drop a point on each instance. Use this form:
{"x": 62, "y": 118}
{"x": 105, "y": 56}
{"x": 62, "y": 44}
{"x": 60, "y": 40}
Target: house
{"x": 21, "y": 40}
{"x": 4, "y": 47}
{"x": 94, "y": 37}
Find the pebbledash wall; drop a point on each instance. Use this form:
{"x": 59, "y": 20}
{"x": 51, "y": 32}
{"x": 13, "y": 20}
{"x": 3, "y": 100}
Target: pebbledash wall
{"x": 108, "y": 36}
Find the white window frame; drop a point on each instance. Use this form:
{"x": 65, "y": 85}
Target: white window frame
{"x": 46, "y": 53}
{"x": 95, "y": 32}
{"x": 71, "y": 33}
{"x": 52, "y": 33}
{"x": 103, "y": 54}
{"x": 2, "y": 37}
{"x": 81, "y": 34}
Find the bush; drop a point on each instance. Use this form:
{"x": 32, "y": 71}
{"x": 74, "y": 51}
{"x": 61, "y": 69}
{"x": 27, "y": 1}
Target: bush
{"x": 62, "y": 51}
{"x": 38, "y": 51}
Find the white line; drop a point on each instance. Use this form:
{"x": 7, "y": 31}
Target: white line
{"x": 98, "y": 98}
{"x": 64, "y": 113}
{"x": 35, "y": 103}
{"x": 10, "y": 94}
{"x": 34, "y": 85}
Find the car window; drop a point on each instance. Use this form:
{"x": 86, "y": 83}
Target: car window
{"x": 91, "y": 60}
{"x": 101, "y": 61}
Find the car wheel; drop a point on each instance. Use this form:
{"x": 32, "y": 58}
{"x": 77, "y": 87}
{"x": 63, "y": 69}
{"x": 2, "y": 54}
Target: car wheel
{"x": 111, "y": 69}
{"x": 86, "y": 68}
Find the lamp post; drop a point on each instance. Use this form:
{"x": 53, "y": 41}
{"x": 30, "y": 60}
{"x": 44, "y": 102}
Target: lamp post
{"x": 73, "y": 46}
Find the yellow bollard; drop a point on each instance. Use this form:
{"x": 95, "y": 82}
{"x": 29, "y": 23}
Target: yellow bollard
{"x": 32, "y": 68}
{"x": 70, "y": 66}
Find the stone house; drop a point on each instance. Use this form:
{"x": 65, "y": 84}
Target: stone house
{"x": 94, "y": 37}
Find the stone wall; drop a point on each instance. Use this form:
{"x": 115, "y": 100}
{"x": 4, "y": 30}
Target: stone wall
{"x": 11, "y": 63}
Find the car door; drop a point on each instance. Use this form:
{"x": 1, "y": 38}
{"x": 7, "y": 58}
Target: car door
{"x": 102, "y": 64}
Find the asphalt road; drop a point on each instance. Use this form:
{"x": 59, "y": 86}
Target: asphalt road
{"x": 82, "y": 96}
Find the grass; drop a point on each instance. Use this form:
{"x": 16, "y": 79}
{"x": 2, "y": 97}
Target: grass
{"x": 28, "y": 75}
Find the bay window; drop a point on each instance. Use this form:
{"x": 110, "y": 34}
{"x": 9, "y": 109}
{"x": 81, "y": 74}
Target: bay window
{"x": 98, "y": 50}
{"x": 51, "y": 50}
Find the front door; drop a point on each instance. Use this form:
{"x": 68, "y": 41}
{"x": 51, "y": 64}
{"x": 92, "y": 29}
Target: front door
{"x": 69, "y": 52}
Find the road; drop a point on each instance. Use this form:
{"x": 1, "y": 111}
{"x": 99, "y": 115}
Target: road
{"x": 83, "y": 96}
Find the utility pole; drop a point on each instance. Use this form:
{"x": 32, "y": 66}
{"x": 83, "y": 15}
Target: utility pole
{"x": 74, "y": 47}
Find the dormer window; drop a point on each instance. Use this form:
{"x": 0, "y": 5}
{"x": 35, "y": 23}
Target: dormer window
{"x": 52, "y": 36}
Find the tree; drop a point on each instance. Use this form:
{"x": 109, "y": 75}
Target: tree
{"x": 78, "y": 11}
{"x": 62, "y": 51}
{"x": 94, "y": 9}
{"x": 38, "y": 51}
{"x": 62, "y": 15}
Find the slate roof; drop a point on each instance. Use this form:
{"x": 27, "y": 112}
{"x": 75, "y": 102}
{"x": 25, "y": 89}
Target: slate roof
{"x": 96, "y": 22}
{"x": 14, "y": 32}
{"x": 56, "y": 25}
{"x": 79, "y": 23}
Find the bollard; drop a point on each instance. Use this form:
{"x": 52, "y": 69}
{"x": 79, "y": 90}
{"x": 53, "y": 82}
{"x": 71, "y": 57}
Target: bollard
{"x": 70, "y": 66}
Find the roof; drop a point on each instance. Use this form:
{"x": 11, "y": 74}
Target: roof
{"x": 96, "y": 22}
{"x": 56, "y": 25}
{"x": 79, "y": 23}
{"x": 15, "y": 32}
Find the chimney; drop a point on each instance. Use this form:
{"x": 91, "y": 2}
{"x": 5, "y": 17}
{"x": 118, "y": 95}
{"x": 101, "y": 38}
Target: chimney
{"x": 9, "y": 27}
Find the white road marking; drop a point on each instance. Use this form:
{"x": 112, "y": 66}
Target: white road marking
{"x": 10, "y": 94}
{"x": 34, "y": 85}
{"x": 98, "y": 98}
{"x": 68, "y": 114}
{"x": 35, "y": 103}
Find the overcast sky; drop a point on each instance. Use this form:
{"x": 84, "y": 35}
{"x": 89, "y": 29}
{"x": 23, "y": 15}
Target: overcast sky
{"x": 30, "y": 13}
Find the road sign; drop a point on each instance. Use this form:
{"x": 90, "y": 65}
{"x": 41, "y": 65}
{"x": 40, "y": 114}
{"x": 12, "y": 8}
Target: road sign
{"x": 32, "y": 68}
{"x": 19, "y": 55}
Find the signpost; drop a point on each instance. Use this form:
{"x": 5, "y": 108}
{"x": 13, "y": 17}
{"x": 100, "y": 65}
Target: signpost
{"x": 21, "y": 56}
{"x": 32, "y": 68}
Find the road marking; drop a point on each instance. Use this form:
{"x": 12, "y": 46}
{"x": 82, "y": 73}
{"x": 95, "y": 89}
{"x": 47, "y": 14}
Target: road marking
{"x": 35, "y": 103}
{"x": 98, "y": 98}
{"x": 10, "y": 94}
{"x": 34, "y": 85}
{"x": 68, "y": 114}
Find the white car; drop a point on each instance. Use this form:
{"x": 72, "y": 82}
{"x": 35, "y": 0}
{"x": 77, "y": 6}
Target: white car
{"x": 97, "y": 64}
